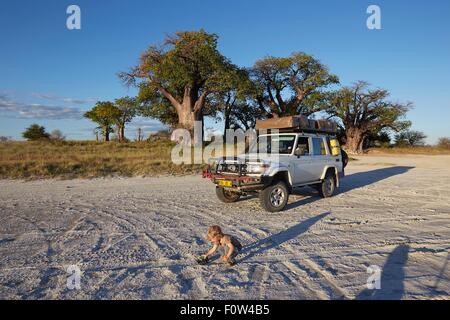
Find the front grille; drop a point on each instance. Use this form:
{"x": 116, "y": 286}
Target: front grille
{"x": 232, "y": 168}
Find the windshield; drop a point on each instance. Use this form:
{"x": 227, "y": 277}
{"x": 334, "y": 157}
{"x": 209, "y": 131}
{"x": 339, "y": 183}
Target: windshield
{"x": 278, "y": 144}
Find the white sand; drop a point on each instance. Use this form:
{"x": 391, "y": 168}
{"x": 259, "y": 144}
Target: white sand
{"x": 137, "y": 238}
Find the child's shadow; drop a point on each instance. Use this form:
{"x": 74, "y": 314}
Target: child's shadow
{"x": 392, "y": 277}
{"x": 279, "y": 238}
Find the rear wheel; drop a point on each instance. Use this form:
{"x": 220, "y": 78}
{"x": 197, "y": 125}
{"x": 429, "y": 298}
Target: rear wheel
{"x": 274, "y": 197}
{"x": 328, "y": 185}
{"x": 226, "y": 195}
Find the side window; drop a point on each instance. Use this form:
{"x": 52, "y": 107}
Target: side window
{"x": 302, "y": 148}
{"x": 319, "y": 147}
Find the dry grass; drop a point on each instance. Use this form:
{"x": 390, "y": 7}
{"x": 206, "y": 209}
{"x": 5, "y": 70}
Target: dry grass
{"x": 426, "y": 150}
{"x": 88, "y": 159}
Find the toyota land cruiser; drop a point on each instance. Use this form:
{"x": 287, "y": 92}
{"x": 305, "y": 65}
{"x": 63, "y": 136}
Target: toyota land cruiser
{"x": 301, "y": 159}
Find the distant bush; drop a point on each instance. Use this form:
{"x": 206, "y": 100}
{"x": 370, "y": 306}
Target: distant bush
{"x": 57, "y": 135}
{"x": 410, "y": 138}
{"x": 163, "y": 135}
{"x": 35, "y": 132}
{"x": 5, "y": 139}
{"x": 378, "y": 140}
{"x": 444, "y": 143}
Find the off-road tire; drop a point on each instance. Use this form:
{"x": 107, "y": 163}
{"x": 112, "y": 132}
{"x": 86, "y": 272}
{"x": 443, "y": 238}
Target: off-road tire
{"x": 328, "y": 186}
{"x": 344, "y": 158}
{"x": 274, "y": 197}
{"x": 227, "y": 196}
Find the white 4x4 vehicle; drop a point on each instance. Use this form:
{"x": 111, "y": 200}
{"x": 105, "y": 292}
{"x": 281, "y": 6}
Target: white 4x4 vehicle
{"x": 302, "y": 159}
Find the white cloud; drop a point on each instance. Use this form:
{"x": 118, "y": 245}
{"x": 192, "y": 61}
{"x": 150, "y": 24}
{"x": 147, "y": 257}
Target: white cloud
{"x": 64, "y": 99}
{"x": 14, "y": 109}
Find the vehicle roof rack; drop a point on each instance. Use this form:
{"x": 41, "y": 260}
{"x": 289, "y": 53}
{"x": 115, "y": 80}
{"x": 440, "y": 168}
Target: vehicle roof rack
{"x": 298, "y": 124}
{"x": 301, "y": 130}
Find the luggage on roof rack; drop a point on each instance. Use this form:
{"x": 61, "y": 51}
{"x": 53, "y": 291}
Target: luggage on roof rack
{"x": 297, "y": 123}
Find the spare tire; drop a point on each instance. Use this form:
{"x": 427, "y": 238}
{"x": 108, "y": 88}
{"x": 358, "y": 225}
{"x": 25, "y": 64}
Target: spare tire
{"x": 344, "y": 158}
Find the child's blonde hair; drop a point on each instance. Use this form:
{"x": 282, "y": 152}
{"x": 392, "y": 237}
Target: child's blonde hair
{"x": 214, "y": 231}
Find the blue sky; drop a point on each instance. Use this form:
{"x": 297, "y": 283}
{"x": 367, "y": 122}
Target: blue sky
{"x": 50, "y": 75}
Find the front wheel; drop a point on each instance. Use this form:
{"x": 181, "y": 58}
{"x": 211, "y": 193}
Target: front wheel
{"x": 328, "y": 185}
{"x": 227, "y": 196}
{"x": 275, "y": 197}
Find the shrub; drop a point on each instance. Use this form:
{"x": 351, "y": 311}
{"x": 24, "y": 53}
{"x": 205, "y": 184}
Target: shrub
{"x": 444, "y": 143}
{"x": 410, "y": 138}
{"x": 35, "y": 132}
{"x": 57, "y": 135}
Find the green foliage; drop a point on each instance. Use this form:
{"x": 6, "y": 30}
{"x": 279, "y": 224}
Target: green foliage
{"x": 367, "y": 110}
{"x": 35, "y": 132}
{"x": 363, "y": 112}
{"x": 105, "y": 113}
{"x": 178, "y": 75}
{"x": 155, "y": 105}
{"x": 187, "y": 78}
{"x": 244, "y": 116}
{"x": 292, "y": 85}
{"x": 234, "y": 99}
{"x": 378, "y": 139}
{"x": 128, "y": 109}
{"x": 108, "y": 114}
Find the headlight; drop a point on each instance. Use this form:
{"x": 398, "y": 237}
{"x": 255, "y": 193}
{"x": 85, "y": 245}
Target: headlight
{"x": 257, "y": 168}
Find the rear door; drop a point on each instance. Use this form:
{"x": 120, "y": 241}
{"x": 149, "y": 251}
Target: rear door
{"x": 335, "y": 153}
{"x": 320, "y": 156}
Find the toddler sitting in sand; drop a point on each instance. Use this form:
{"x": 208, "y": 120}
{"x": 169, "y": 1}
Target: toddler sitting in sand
{"x": 218, "y": 239}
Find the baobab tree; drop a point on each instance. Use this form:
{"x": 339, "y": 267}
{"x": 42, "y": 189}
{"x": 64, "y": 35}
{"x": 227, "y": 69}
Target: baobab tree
{"x": 128, "y": 109}
{"x": 361, "y": 111}
{"x": 176, "y": 79}
{"x": 234, "y": 97}
{"x": 291, "y": 85}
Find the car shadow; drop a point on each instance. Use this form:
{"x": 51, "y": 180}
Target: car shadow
{"x": 392, "y": 277}
{"x": 348, "y": 183}
{"x": 276, "y": 240}
{"x": 308, "y": 194}
{"x": 365, "y": 178}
